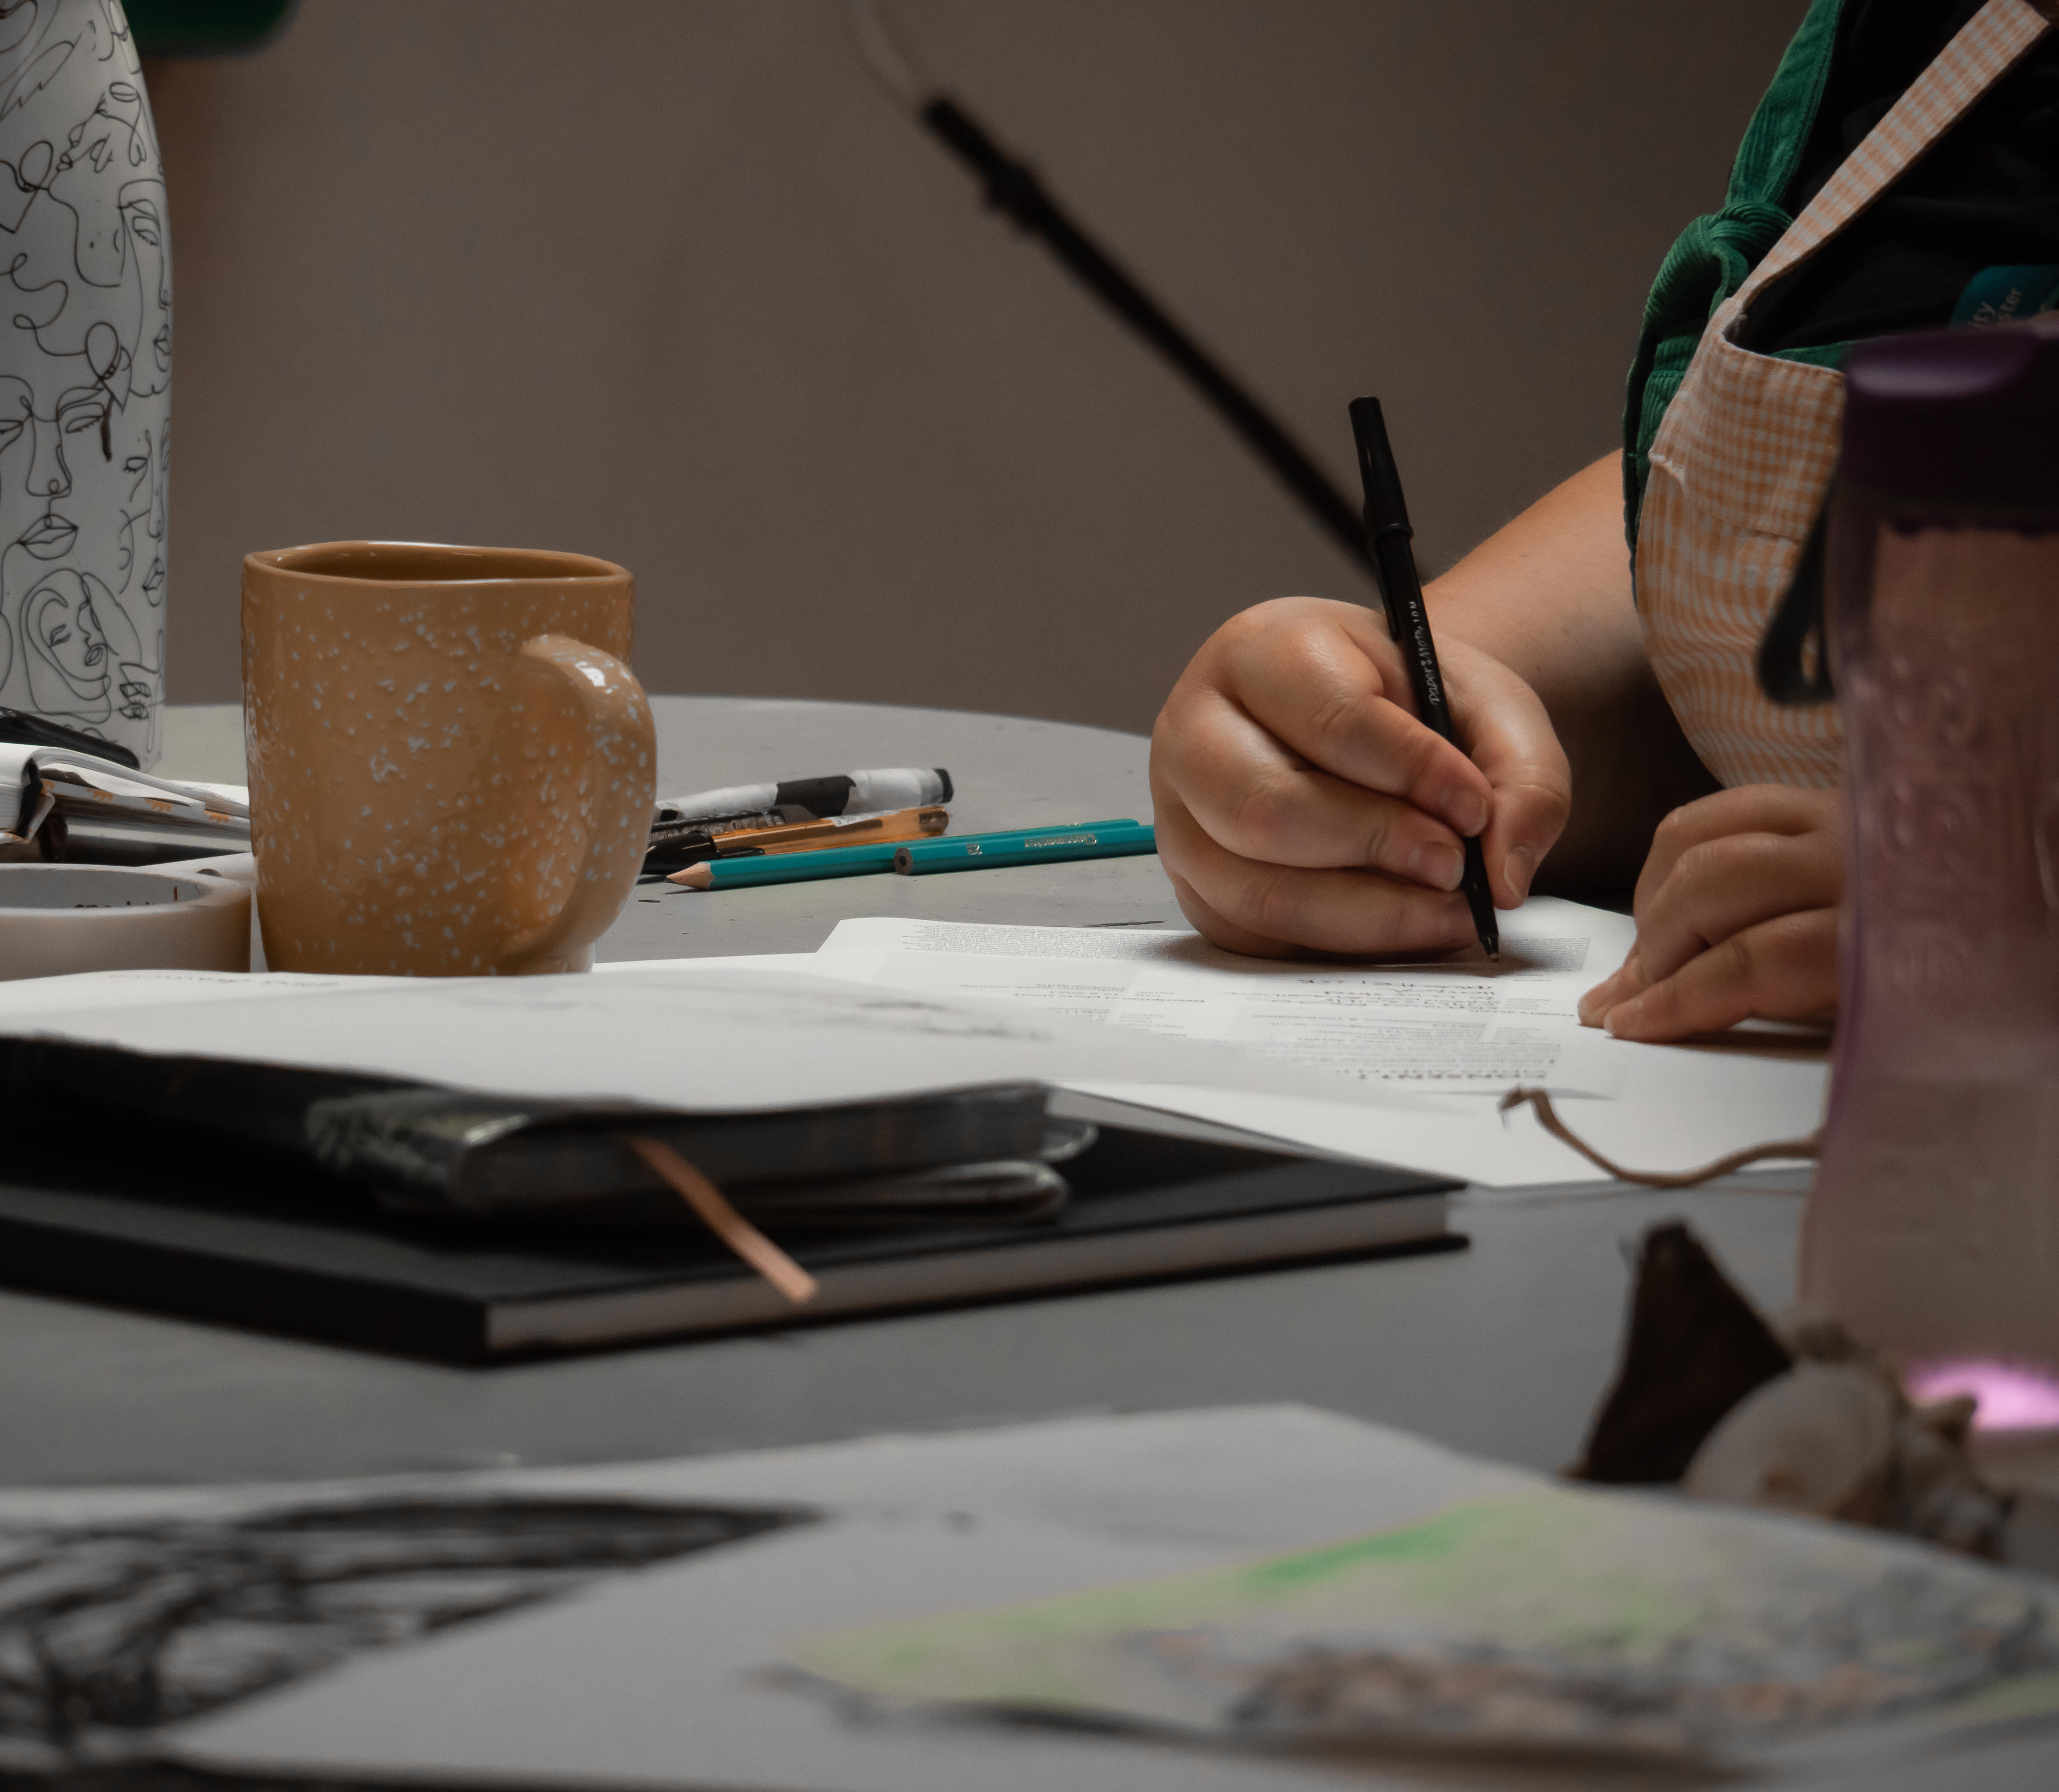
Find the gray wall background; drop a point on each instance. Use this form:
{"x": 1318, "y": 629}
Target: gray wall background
{"x": 671, "y": 281}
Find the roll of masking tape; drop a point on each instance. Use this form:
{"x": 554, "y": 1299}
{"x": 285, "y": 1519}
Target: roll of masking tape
{"x": 55, "y": 918}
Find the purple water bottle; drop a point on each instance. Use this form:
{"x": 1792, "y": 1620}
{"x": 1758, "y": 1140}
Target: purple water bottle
{"x": 1932, "y": 1228}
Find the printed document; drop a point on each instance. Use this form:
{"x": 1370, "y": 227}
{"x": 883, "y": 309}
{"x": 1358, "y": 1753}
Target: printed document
{"x": 727, "y": 1038}
{"x": 1458, "y": 1026}
{"x": 1404, "y": 1064}
{"x": 1399, "y": 1064}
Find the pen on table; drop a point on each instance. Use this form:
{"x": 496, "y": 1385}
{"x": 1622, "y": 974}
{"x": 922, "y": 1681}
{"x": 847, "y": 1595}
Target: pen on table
{"x": 1388, "y": 536}
{"x": 719, "y": 840}
{"x": 695, "y": 845}
{"x": 848, "y": 862}
{"x": 839, "y": 793}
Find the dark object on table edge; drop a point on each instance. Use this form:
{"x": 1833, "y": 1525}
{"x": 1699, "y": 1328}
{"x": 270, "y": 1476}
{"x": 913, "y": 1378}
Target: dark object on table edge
{"x": 205, "y": 1228}
{"x": 437, "y": 1152}
{"x": 1693, "y": 1348}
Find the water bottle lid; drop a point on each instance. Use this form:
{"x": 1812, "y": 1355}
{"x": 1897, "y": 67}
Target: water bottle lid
{"x": 1959, "y": 418}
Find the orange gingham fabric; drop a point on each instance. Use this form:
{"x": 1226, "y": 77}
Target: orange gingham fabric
{"x": 1741, "y": 462}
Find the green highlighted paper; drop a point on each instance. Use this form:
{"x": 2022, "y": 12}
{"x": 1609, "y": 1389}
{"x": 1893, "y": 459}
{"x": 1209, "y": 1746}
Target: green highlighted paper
{"x": 1558, "y": 1618}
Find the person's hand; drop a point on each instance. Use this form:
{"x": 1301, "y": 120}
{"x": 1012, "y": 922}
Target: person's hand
{"x": 1737, "y": 918}
{"x": 1301, "y": 806}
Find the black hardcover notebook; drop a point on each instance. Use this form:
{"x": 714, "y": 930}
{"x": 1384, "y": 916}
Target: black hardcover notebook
{"x": 241, "y": 1238}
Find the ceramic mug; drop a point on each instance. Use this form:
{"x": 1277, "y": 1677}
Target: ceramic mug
{"x": 451, "y": 767}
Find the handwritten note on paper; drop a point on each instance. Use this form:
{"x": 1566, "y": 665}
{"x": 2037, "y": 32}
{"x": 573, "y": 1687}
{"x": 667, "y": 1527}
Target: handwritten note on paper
{"x": 1458, "y": 1026}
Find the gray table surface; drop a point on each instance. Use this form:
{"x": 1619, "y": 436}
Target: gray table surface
{"x": 1501, "y": 1350}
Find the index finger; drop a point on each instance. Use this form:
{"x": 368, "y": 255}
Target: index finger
{"x": 1334, "y": 690}
{"x": 1746, "y": 809}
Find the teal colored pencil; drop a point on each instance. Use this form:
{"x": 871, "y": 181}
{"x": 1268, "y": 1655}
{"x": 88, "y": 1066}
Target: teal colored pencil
{"x": 844, "y": 861}
{"x": 1032, "y": 847}
{"x": 825, "y": 862}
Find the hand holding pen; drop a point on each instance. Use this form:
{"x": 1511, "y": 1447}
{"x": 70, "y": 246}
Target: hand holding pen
{"x": 1390, "y": 538}
{"x": 1301, "y": 804}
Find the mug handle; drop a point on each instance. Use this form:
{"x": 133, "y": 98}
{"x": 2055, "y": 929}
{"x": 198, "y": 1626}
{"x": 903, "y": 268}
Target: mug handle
{"x": 612, "y": 789}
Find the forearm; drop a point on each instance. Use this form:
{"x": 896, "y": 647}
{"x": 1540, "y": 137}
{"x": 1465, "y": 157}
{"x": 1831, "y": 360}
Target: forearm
{"x": 1549, "y": 595}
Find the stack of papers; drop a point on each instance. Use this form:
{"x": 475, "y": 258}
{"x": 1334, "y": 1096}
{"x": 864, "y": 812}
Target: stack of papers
{"x": 1211, "y": 1541}
{"x": 697, "y": 1036}
{"x": 1401, "y": 1064}
{"x": 1397, "y": 1064}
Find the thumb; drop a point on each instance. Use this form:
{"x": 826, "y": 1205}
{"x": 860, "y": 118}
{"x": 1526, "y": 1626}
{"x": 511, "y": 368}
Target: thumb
{"x": 1502, "y": 725}
{"x": 1528, "y": 818}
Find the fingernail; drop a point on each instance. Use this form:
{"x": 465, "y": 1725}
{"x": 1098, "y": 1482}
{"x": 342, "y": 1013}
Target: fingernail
{"x": 1519, "y": 867}
{"x": 1465, "y": 809}
{"x": 1623, "y": 1017}
{"x": 1595, "y": 1004}
{"x": 1439, "y": 866}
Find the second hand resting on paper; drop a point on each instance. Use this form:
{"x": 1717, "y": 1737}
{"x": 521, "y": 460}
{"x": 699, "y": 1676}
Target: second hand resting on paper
{"x": 1737, "y": 917}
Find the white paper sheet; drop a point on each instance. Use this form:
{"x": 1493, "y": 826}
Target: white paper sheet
{"x": 1428, "y": 1034}
{"x": 1681, "y": 1107}
{"x": 1246, "y": 1478}
{"x": 730, "y": 1038}
{"x": 764, "y": 1033}
{"x": 1459, "y": 1025}
{"x": 658, "y": 1676}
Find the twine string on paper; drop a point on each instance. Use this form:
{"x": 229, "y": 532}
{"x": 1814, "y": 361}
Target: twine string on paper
{"x": 1547, "y": 1117}
{"x": 792, "y": 1281}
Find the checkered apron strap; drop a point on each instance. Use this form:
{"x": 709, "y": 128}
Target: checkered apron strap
{"x": 1741, "y": 463}
{"x": 1985, "y": 49}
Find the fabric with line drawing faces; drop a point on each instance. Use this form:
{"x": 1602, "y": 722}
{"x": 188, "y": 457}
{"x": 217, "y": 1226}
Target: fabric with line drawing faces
{"x": 68, "y": 660}
{"x": 85, "y": 374}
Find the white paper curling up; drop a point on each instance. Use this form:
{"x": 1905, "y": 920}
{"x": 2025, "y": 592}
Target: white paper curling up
{"x": 56, "y": 918}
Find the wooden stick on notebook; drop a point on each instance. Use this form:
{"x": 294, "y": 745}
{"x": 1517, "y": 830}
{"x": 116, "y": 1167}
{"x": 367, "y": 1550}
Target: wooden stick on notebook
{"x": 1547, "y": 1117}
{"x": 725, "y": 1223}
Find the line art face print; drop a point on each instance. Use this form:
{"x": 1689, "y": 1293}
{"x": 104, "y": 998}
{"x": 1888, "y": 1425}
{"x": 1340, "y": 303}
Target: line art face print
{"x": 86, "y": 371}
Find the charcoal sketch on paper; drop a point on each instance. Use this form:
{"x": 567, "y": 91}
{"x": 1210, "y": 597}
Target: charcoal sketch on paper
{"x": 122, "y": 1627}
{"x": 85, "y": 355}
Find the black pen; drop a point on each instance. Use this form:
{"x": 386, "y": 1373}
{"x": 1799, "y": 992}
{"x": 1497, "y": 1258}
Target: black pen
{"x": 1388, "y": 536}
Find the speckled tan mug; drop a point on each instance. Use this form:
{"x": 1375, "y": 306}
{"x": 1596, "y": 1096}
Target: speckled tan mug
{"x": 451, "y": 764}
